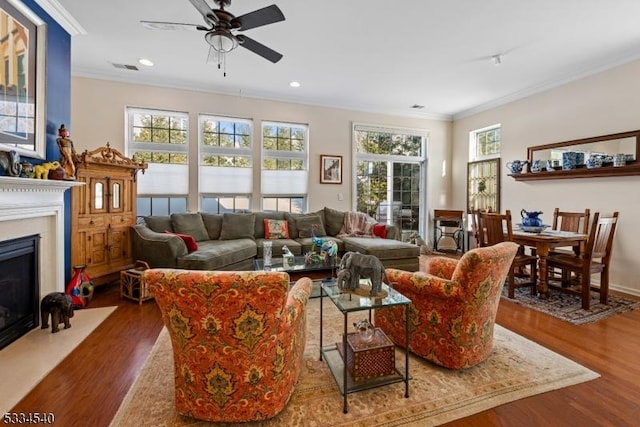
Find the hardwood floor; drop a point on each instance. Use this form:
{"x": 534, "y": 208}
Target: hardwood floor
{"x": 87, "y": 388}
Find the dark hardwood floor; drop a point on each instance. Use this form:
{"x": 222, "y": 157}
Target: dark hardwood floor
{"x": 87, "y": 388}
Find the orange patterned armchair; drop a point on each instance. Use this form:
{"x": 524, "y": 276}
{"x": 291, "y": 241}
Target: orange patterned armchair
{"x": 453, "y": 308}
{"x": 237, "y": 337}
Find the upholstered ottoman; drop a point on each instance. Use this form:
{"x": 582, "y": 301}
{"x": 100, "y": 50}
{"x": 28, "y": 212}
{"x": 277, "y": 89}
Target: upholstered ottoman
{"x": 392, "y": 253}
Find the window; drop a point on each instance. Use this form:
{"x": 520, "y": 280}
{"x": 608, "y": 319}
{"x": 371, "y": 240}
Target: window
{"x": 285, "y": 171}
{"x": 226, "y": 164}
{"x": 485, "y": 143}
{"x": 222, "y": 204}
{"x": 161, "y": 139}
{"x": 389, "y": 174}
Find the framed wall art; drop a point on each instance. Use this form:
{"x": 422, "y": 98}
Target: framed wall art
{"x": 22, "y": 80}
{"x": 330, "y": 169}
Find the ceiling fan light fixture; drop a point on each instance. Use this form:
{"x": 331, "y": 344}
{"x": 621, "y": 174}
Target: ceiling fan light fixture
{"x": 221, "y": 41}
{"x": 146, "y": 62}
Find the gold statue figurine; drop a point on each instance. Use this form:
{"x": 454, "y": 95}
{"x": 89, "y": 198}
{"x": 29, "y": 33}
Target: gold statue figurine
{"x": 67, "y": 152}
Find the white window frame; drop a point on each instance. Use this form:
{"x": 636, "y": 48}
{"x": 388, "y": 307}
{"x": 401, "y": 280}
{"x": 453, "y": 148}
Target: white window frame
{"x": 473, "y": 143}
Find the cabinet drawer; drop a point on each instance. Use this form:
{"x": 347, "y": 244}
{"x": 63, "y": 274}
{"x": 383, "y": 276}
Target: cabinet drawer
{"x": 91, "y": 221}
{"x": 120, "y": 219}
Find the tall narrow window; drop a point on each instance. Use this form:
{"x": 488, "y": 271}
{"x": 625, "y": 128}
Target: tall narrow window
{"x": 226, "y": 164}
{"x": 161, "y": 139}
{"x": 285, "y": 166}
{"x": 389, "y": 174}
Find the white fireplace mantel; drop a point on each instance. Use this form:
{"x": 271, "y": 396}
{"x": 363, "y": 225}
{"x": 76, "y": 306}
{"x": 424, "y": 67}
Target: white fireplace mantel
{"x": 24, "y": 199}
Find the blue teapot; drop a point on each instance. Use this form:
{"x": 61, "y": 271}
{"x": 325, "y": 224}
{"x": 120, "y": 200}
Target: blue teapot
{"x": 531, "y": 219}
{"x": 516, "y": 166}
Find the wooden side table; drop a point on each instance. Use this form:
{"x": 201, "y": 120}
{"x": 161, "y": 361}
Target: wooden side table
{"x": 131, "y": 285}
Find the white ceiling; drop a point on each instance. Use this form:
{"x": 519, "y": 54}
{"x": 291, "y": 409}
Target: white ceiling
{"x": 369, "y": 55}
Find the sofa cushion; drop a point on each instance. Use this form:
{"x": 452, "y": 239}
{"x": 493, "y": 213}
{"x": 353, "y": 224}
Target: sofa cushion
{"x": 260, "y": 217}
{"x": 213, "y": 224}
{"x": 291, "y": 218}
{"x": 191, "y": 224}
{"x": 159, "y": 223}
{"x": 276, "y": 228}
{"x": 305, "y": 222}
{"x": 238, "y": 226}
{"x": 381, "y": 248}
{"x": 188, "y": 240}
{"x": 333, "y": 221}
{"x": 217, "y": 254}
{"x": 276, "y": 247}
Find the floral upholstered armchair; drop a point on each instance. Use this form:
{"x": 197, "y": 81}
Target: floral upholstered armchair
{"x": 237, "y": 337}
{"x": 453, "y": 308}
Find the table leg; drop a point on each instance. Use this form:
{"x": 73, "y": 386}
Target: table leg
{"x": 543, "y": 284}
{"x": 407, "y": 313}
{"x": 321, "y": 298}
{"x": 345, "y": 407}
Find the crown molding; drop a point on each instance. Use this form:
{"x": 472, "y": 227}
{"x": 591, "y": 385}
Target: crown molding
{"x": 62, "y": 17}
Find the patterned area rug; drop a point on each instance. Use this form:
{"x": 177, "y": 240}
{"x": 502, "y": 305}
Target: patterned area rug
{"x": 569, "y": 307}
{"x": 518, "y": 368}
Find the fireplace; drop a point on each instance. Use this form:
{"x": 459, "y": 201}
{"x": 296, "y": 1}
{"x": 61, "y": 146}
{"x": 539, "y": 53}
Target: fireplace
{"x": 33, "y": 209}
{"x": 19, "y": 287}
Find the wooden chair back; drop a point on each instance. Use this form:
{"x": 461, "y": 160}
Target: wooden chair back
{"x": 494, "y": 228}
{"x": 600, "y": 241}
{"x": 578, "y": 222}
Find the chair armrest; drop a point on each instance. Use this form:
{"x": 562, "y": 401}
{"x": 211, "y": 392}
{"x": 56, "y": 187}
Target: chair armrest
{"x": 441, "y": 266}
{"x": 297, "y": 300}
{"x": 420, "y": 283}
{"x": 156, "y": 249}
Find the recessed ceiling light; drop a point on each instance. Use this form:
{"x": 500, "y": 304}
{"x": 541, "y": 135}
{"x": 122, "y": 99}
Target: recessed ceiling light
{"x": 146, "y": 62}
{"x": 294, "y": 84}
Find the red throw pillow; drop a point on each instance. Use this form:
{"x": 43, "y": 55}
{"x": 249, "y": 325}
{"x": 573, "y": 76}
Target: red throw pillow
{"x": 188, "y": 240}
{"x": 380, "y": 230}
{"x": 276, "y": 229}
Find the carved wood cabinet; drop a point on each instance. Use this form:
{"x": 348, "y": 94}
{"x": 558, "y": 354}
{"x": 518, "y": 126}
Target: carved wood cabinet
{"x": 102, "y": 213}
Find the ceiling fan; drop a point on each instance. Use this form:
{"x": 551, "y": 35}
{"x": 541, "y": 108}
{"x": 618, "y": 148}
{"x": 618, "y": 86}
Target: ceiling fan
{"x": 220, "y": 26}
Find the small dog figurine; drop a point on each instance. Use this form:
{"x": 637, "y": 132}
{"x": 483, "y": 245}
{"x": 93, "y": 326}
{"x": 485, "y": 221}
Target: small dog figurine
{"x": 58, "y": 304}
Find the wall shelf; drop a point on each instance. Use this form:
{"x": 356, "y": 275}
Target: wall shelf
{"x": 583, "y": 172}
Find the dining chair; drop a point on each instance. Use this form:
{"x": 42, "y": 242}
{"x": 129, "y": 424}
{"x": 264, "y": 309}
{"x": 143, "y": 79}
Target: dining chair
{"x": 494, "y": 228}
{"x": 594, "y": 259}
{"x": 577, "y": 222}
{"x": 475, "y": 231}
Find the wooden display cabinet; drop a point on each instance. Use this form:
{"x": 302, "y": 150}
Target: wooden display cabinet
{"x": 102, "y": 213}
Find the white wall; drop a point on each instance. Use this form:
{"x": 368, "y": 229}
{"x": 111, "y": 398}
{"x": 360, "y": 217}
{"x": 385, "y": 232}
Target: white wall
{"x": 98, "y": 114}
{"x": 601, "y": 104}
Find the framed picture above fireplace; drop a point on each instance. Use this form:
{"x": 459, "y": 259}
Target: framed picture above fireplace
{"x": 22, "y": 80}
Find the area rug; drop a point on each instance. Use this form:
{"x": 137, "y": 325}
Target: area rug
{"x": 517, "y": 368}
{"x": 569, "y": 307}
{"x": 26, "y": 361}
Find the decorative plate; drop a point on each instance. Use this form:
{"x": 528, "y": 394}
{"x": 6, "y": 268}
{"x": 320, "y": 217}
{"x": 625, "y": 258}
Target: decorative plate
{"x": 532, "y": 229}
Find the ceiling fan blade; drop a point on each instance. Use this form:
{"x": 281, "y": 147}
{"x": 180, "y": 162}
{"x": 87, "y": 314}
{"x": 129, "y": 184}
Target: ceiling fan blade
{"x": 258, "y": 48}
{"x": 205, "y": 11}
{"x": 257, "y": 18}
{"x": 158, "y": 25}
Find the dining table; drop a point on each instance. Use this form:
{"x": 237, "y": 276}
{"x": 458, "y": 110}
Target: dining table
{"x": 543, "y": 242}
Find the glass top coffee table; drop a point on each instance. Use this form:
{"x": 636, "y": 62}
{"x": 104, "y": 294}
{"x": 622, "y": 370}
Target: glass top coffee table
{"x": 349, "y": 303}
{"x": 298, "y": 266}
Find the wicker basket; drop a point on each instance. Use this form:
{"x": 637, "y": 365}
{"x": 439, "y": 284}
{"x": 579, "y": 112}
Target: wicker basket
{"x": 369, "y": 360}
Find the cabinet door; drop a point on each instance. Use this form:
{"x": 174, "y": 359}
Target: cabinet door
{"x": 116, "y": 195}
{"x": 98, "y": 195}
{"x": 118, "y": 244}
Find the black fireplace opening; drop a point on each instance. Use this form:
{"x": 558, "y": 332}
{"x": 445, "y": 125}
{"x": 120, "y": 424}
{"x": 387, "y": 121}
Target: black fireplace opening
{"x": 19, "y": 288}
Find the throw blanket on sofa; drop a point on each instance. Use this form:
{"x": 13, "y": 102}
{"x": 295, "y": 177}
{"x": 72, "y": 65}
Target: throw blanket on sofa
{"x": 357, "y": 224}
